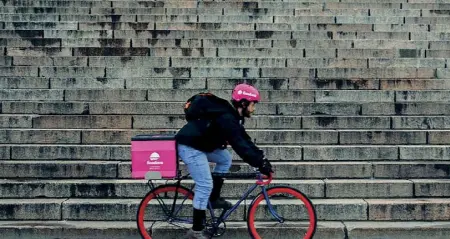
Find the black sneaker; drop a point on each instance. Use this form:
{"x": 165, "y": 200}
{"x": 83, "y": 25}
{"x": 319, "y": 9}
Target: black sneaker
{"x": 221, "y": 204}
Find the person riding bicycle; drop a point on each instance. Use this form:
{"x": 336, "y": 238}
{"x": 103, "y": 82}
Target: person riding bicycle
{"x": 212, "y": 124}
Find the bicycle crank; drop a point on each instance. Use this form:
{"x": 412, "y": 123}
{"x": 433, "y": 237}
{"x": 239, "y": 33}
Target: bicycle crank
{"x": 216, "y": 229}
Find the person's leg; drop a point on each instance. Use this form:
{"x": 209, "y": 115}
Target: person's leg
{"x": 198, "y": 166}
{"x": 222, "y": 158}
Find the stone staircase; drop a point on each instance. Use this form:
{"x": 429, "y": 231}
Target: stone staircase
{"x": 355, "y": 109}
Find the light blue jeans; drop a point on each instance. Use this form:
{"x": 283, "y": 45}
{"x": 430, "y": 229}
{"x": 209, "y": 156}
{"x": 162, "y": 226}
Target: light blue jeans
{"x": 197, "y": 163}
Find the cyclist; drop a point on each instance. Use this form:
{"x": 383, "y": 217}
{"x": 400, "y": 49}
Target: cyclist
{"x": 212, "y": 123}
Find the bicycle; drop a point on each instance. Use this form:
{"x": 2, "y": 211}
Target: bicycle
{"x": 216, "y": 225}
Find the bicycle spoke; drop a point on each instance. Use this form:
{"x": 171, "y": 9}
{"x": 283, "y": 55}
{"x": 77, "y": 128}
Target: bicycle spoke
{"x": 175, "y": 213}
{"x": 157, "y": 207}
{"x": 163, "y": 205}
{"x": 287, "y": 204}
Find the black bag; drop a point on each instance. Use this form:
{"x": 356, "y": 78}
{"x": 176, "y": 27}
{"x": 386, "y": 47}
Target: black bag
{"x": 197, "y": 106}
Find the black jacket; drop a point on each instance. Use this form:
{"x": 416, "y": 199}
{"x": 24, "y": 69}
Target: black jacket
{"x": 212, "y": 124}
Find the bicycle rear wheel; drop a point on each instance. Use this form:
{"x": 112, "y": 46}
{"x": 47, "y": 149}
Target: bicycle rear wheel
{"x": 158, "y": 206}
{"x": 294, "y": 206}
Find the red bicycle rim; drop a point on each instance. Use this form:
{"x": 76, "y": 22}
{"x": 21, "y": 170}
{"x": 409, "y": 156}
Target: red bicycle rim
{"x": 146, "y": 200}
{"x": 306, "y": 202}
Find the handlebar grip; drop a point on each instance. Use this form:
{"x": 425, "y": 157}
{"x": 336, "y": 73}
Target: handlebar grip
{"x": 269, "y": 180}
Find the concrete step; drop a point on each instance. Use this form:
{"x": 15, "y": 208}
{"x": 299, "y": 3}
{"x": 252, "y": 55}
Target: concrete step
{"x": 263, "y": 4}
{"x": 360, "y": 12}
{"x": 24, "y": 83}
{"x": 428, "y": 187}
{"x": 46, "y": 10}
{"x": 280, "y": 35}
{"x": 181, "y": 95}
{"x": 342, "y": 44}
{"x": 264, "y": 136}
{"x": 233, "y": 188}
{"x": 27, "y": 2}
{"x": 34, "y": 51}
{"x": 284, "y": 170}
{"x": 397, "y": 230}
{"x": 260, "y": 83}
{"x": 165, "y": 48}
{"x": 161, "y": 123}
{"x": 291, "y": 83}
{"x": 80, "y": 51}
{"x": 198, "y": 72}
{"x": 425, "y": 5}
{"x": 426, "y": 20}
{"x": 158, "y": 123}
{"x": 330, "y": 52}
{"x": 40, "y": 25}
{"x": 346, "y": 170}
{"x": 16, "y": 121}
{"x": 237, "y": 230}
{"x": 147, "y": 4}
{"x": 50, "y": 3}
{"x": 285, "y": 152}
{"x": 48, "y": 61}
{"x": 284, "y": 95}
{"x": 59, "y": 169}
{"x": 11, "y": 17}
{"x": 431, "y": 36}
{"x": 296, "y": 61}
{"x": 34, "y": 94}
{"x": 413, "y": 111}
{"x": 70, "y": 229}
{"x": 327, "y": 209}
{"x": 216, "y": 83}
{"x": 260, "y": 39}
{"x": 63, "y": 34}
{"x": 209, "y": 7}
{"x": 124, "y": 188}
{"x": 33, "y": 47}
{"x": 374, "y": 125}
{"x": 297, "y": 32}
{"x": 227, "y": 23}
{"x": 244, "y": 11}
{"x": 414, "y": 84}
{"x": 288, "y": 4}
{"x": 125, "y": 209}
{"x": 312, "y": 26}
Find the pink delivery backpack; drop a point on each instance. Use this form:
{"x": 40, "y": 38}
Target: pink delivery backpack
{"x": 154, "y": 157}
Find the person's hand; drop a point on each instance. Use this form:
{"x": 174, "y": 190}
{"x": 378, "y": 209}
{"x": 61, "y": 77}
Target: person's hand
{"x": 266, "y": 168}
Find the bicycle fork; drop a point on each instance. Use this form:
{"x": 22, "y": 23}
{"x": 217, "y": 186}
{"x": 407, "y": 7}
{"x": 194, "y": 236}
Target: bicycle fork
{"x": 271, "y": 209}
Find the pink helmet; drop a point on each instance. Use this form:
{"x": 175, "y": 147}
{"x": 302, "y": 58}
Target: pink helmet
{"x": 245, "y": 91}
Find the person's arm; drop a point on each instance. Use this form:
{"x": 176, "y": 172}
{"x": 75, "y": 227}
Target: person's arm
{"x": 240, "y": 141}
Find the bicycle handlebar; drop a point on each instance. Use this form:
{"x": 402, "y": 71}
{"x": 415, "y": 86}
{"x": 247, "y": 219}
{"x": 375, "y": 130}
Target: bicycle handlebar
{"x": 265, "y": 182}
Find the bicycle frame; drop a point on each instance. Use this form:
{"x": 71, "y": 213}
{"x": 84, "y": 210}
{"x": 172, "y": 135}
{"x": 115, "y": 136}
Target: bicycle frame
{"x": 171, "y": 215}
{"x": 224, "y": 217}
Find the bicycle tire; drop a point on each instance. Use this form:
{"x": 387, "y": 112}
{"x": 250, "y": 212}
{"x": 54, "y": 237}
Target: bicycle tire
{"x": 167, "y": 188}
{"x": 311, "y": 212}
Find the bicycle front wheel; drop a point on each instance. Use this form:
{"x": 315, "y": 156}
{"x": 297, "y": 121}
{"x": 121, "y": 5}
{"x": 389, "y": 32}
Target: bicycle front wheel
{"x": 290, "y": 211}
{"x": 159, "y": 205}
